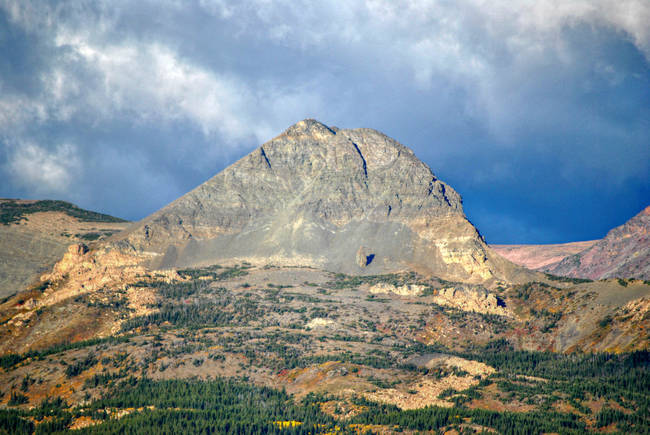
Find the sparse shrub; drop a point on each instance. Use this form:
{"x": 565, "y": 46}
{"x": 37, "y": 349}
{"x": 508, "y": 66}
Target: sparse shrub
{"x": 17, "y": 399}
{"x": 605, "y": 322}
{"x": 26, "y": 383}
{"x": 79, "y": 367}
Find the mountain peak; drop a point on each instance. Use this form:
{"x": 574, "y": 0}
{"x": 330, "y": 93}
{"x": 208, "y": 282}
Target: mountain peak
{"x": 315, "y": 196}
{"x": 309, "y": 127}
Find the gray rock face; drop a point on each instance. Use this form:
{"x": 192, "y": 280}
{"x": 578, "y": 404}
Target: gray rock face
{"x": 313, "y": 196}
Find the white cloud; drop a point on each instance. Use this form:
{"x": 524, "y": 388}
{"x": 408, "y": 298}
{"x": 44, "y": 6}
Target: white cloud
{"x": 490, "y": 49}
{"x": 16, "y": 112}
{"x": 106, "y": 70}
{"x": 44, "y": 171}
{"x": 152, "y": 83}
{"x": 99, "y": 76}
{"x": 482, "y": 47}
{"x": 523, "y": 24}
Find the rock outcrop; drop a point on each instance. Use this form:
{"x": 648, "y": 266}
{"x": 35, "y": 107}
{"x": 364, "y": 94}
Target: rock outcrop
{"x": 403, "y": 290}
{"x": 314, "y": 195}
{"x": 363, "y": 257}
{"x": 427, "y": 391}
{"x": 471, "y": 299}
{"x": 623, "y": 253}
{"x": 82, "y": 271}
{"x": 34, "y": 235}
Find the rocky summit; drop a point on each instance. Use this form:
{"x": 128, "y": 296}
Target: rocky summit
{"x": 323, "y": 197}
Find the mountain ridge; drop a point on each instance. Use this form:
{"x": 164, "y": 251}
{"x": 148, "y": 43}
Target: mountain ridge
{"x": 539, "y": 257}
{"x": 623, "y": 253}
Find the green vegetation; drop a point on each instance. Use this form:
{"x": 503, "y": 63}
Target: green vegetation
{"x": 8, "y": 361}
{"x": 17, "y": 399}
{"x": 434, "y": 418}
{"x": 231, "y": 406}
{"x": 567, "y": 279}
{"x": 524, "y": 291}
{"x": 551, "y": 318}
{"x": 200, "y": 313}
{"x": 89, "y": 236}
{"x": 557, "y": 366}
{"x": 13, "y": 211}
{"x": 179, "y": 406}
{"x": 193, "y": 406}
{"x": 52, "y": 417}
{"x": 343, "y": 281}
{"x": 11, "y": 422}
{"x": 626, "y": 423}
{"x": 103, "y": 379}
{"x": 258, "y": 330}
{"x": 623, "y": 379}
{"x": 79, "y": 367}
{"x": 605, "y": 321}
{"x": 216, "y": 272}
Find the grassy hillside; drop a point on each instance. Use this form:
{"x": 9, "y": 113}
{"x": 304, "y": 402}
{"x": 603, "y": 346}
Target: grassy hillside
{"x": 15, "y": 210}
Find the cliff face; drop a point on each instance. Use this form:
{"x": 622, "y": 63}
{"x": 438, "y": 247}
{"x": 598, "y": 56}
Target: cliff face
{"x": 317, "y": 196}
{"x": 623, "y": 253}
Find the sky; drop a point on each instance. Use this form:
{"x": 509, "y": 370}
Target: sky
{"x": 536, "y": 112}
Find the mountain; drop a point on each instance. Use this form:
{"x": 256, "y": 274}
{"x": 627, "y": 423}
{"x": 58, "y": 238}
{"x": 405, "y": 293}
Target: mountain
{"x": 623, "y": 253}
{"x": 232, "y": 298}
{"x": 35, "y": 234}
{"x": 352, "y": 201}
{"x": 540, "y": 256}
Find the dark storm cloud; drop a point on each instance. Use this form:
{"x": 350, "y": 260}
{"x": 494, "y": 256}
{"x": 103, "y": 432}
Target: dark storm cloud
{"x": 536, "y": 113}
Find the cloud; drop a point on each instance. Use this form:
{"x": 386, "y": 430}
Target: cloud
{"x": 16, "y": 112}
{"x": 149, "y": 82}
{"x": 490, "y": 50}
{"x": 97, "y": 76}
{"x": 459, "y": 37}
{"x": 44, "y": 171}
{"x": 492, "y": 93}
{"x": 500, "y": 54}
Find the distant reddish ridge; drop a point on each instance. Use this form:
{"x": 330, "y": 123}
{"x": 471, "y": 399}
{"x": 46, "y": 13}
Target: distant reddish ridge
{"x": 540, "y": 256}
{"x": 623, "y": 253}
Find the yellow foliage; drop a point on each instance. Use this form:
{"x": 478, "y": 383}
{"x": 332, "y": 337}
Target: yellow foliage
{"x": 285, "y": 424}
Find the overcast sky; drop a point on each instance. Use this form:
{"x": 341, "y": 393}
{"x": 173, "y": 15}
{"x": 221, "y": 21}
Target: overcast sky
{"x": 536, "y": 112}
